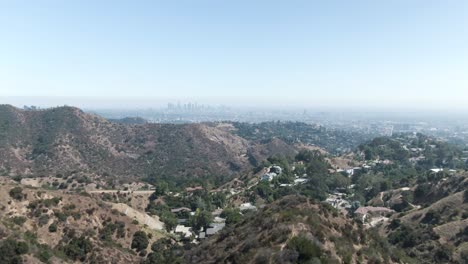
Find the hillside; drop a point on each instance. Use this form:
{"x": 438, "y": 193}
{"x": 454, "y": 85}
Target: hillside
{"x": 333, "y": 141}
{"x": 295, "y": 230}
{"x": 420, "y": 150}
{"x": 45, "y": 226}
{"x": 438, "y": 231}
{"x": 65, "y": 141}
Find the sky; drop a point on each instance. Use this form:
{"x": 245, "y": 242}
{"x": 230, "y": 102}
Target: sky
{"x": 397, "y": 53}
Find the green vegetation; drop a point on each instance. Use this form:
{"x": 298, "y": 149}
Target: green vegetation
{"x": 164, "y": 213}
{"x": 300, "y": 224}
{"x": 53, "y": 228}
{"x": 18, "y": 220}
{"x": 306, "y": 249}
{"x": 232, "y": 215}
{"x": 201, "y": 219}
{"x": 109, "y": 229}
{"x": 401, "y": 147}
{"x": 140, "y": 241}
{"x": 11, "y": 251}
{"x": 78, "y": 248}
{"x": 164, "y": 251}
{"x": 334, "y": 141}
{"x": 17, "y": 193}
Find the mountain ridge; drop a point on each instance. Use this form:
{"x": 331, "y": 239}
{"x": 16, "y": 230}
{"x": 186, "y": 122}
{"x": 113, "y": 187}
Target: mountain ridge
{"x": 66, "y": 139}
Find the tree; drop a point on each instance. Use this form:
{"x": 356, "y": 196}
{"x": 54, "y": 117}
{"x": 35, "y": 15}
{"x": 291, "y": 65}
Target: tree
{"x": 422, "y": 190}
{"x": 263, "y": 189}
{"x": 162, "y": 188}
{"x": 337, "y": 180}
{"x": 369, "y": 155}
{"x": 201, "y": 219}
{"x": 140, "y": 241}
{"x": 232, "y": 215}
{"x": 169, "y": 220}
{"x": 218, "y": 199}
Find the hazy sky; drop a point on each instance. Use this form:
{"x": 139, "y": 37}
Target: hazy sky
{"x": 374, "y": 53}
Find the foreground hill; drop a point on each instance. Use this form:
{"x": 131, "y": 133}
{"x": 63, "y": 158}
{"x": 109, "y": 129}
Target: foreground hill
{"x": 437, "y": 232}
{"x": 45, "y": 226}
{"x": 66, "y": 140}
{"x": 295, "y": 230}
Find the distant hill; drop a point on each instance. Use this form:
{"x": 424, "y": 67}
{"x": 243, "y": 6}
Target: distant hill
{"x": 130, "y": 120}
{"x": 66, "y": 140}
{"x": 333, "y": 141}
{"x": 423, "y": 151}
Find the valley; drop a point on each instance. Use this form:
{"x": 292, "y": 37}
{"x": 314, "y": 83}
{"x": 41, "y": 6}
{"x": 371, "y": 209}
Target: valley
{"x": 78, "y": 188}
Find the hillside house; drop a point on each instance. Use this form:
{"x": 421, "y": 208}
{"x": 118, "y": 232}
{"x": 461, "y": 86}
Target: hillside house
{"x": 193, "y": 189}
{"x": 368, "y": 212}
{"x": 337, "y": 201}
{"x": 300, "y": 181}
{"x": 183, "y": 230}
{"x": 181, "y": 210}
{"x": 247, "y": 206}
{"x": 276, "y": 169}
{"x": 214, "y": 228}
{"x": 269, "y": 176}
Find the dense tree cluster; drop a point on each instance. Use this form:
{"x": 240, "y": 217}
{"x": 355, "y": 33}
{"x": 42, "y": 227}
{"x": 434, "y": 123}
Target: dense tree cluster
{"x": 11, "y": 250}
{"x": 140, "y": 241}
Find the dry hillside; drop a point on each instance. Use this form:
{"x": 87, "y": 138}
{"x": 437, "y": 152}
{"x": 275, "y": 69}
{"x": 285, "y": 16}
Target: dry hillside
{"x": 60, "y": 227}
{"x": 294, "y": 230}
{"x": 66, "y": 140}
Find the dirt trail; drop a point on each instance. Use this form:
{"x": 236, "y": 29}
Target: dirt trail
{"x": 142, "y": 218}
{"x": 120, "y": 191}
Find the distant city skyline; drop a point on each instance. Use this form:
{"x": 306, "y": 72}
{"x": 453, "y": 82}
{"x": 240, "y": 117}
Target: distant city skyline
{"x": 359, "y": 54}
{"x": 246, "y": 103}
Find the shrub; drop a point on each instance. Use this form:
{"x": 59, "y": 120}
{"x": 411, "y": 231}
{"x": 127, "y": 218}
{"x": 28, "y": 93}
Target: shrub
{"x": 44, "y": 255}
{"x": 53, "y": 228}
{"x": 17, "y": 193}
{"x": 21, "y": 248}
{"x": 78, "y": 248}
{"x": 43, "y": 220}
{"x": 143, "y": 253}
{"x": 432, "y": 217}
{"x": 60, "y": 215}
{"x": 51, "y": 202}
{"x": 306, "y": 248}
{"x": 18, "y": 220}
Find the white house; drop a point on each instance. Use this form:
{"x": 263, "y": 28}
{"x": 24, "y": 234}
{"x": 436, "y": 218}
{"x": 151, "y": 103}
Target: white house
{"x": 269, "y": 176}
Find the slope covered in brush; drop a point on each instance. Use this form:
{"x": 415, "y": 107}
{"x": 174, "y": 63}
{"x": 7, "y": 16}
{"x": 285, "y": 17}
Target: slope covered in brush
{"x": 65, "y": 140}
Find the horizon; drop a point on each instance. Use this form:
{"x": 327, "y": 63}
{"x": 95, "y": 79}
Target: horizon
{"x": 246, "y": 103}
{"x": 334, "y": 55}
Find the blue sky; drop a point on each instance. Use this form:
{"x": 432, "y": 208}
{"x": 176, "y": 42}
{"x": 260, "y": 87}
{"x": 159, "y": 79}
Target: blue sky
{"x": 372, "y": 53}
